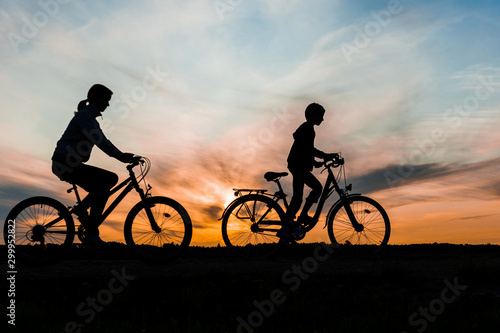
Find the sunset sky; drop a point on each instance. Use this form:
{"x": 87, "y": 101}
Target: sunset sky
{"x": 212, "y": 90}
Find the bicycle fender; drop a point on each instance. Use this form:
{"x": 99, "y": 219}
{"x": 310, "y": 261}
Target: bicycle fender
{"x": 234, "y": 202}
{"x": 227, "y": 207}
{"x": 334, "y": 206}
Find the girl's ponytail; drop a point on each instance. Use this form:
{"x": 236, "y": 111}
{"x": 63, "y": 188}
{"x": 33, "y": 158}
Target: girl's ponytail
{"x": 82, "y": 104}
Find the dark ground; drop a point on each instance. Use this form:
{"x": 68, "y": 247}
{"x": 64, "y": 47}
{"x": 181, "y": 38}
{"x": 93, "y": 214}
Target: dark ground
{"x": 412, "y": 288}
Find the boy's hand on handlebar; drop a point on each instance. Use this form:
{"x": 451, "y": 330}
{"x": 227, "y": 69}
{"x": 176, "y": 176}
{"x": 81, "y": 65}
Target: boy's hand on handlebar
{"x": 331, "y": 157}
{"x": 318, "y": 164}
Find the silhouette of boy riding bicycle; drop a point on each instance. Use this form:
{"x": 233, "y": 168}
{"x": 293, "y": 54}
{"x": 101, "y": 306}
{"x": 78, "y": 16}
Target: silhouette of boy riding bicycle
{"x": 255, "y": 223}
{"x": 301, "y": 161}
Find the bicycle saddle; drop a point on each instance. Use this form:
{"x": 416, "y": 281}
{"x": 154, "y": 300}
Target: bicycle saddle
{"x": 271, "y": 176}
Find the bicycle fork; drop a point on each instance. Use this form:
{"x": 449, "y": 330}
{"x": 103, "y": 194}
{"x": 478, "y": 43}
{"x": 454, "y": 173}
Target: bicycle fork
{"x": 154, "y": 226}
{"x": 344, "y": 199}
{"x": 347, "y": 206}
{"x": 147, "y": 207}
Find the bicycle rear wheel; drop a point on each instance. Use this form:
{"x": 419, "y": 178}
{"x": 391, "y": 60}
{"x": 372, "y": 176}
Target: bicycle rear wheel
{"x": 41, "y": 227}
{"x": 250, "y": 224}
{"x": 373, "y": 218}
{"x": 169, "y": 240}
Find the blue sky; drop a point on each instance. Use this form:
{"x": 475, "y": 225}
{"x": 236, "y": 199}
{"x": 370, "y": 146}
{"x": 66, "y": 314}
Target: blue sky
{"x": 211, "y": 91}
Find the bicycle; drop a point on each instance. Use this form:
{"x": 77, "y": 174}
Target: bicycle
{"x": 355, "y": 223}
{"x": 157, "y": 228}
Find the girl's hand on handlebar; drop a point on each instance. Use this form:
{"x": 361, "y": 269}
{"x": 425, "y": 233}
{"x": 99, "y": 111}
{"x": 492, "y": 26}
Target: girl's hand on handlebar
{"x": 126, "y": 158}
{"x": 136, "y": 160}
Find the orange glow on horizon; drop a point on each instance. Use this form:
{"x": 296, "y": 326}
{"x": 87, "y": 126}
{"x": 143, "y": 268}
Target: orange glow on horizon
{"x": 422, "y": 212}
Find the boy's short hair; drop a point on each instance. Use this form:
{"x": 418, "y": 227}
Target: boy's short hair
{"x": 314, "y": 109}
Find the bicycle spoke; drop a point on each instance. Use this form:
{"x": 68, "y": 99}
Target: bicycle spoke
{"x": 173, "y": 235}
{"x": 250, "y": 225}
{"x": 375, "y": 224}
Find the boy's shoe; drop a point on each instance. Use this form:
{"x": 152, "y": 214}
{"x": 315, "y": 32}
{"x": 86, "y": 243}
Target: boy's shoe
{"x": 290, "y": 232}
{"x": 305, "y": 220}
{"x": 95, "y": 242}
{"x": 297, "y": 232}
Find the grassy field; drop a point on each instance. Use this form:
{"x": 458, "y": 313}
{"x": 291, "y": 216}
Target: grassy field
{"x": 412, "y": 288}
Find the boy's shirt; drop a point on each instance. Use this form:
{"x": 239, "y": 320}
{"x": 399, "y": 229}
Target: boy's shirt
{"x": 302, "y": 153}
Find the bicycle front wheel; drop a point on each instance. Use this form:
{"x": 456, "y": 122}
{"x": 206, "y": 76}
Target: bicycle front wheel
{"x": 371, "y": 237}
{"x": 158, "y": 229}
{"x": 250, "y": 224}
{"x": 41, "y": 228}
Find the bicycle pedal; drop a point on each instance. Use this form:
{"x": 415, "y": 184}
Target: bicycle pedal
{"x": 298, "y": 233}
{"x": 284, "y": 233}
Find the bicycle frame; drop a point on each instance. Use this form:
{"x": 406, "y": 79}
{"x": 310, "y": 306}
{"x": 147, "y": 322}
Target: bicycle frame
{"x": 130, "y": 181}
{"x": 128, "y": 185}
{"x": 331, "y": 186}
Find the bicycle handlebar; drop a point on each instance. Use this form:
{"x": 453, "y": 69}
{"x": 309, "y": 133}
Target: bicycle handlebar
{"x": 145, "y": 166}
{"x": 334, "y": 162}
{"x": 136, "y": 160}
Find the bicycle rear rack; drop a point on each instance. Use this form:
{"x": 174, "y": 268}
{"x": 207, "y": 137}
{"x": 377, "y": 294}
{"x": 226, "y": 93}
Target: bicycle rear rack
{"x": 238, "y": 192}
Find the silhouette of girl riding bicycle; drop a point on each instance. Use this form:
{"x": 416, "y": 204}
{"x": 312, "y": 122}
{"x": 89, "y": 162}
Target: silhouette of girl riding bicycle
{"x": 73, "y": 150}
